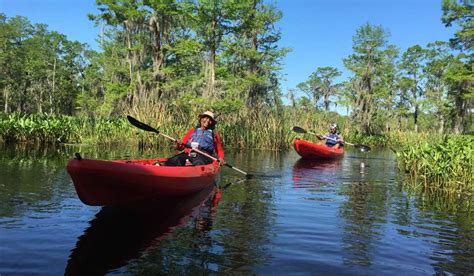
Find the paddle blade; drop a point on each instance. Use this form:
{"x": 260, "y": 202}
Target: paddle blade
{"x": 299, "y": 129}
{"x": 363, "y": 148}
{"x": 141, "y": 125}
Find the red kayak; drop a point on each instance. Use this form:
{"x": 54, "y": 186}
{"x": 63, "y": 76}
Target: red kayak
{"x": 100, "y": 182}
{"x": 310, "y": 150}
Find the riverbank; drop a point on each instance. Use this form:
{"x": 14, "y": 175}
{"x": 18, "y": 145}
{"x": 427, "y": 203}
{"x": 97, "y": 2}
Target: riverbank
{"x": 433, "y": 163}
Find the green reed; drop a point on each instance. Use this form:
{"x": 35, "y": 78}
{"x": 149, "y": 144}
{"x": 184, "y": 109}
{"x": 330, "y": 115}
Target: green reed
{"x": 439, "y": 166}
{"x": 259, "y": 128}
{"x": 262, "y": 128}
{"x": 436, "y": 164}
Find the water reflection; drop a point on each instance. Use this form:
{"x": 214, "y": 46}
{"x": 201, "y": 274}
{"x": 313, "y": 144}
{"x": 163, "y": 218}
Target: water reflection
{"x": 364, "y": 209}
{"x": 118, "y": 234}
{"x": 314, "y": 173}
{"x": 30, "y": 177}
{"x": 350, "y": 219}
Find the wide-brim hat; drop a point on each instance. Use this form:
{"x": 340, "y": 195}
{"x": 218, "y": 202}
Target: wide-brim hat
{"x": 210, "y": 115}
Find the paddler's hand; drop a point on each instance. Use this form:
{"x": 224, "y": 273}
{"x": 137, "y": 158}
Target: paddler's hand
{"x": 180, "y": 145}
{"x": 221, "y": 161}
{"x": 319, "y": 136}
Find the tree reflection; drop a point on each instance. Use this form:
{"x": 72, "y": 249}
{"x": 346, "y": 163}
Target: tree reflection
{"x": 364, "y": 212}
{"x": 30, "y": 175}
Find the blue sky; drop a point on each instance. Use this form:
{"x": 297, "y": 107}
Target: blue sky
{"x": 319, "y": 32}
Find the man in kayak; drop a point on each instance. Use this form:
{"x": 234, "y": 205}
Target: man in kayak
{"x": 202, "y": 137}
{"x": 333, "y": 138}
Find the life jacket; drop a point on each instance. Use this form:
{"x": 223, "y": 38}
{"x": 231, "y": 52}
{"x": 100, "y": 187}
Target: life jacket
{"x": 332, "y": 141}
{"x": 205, "y": 138}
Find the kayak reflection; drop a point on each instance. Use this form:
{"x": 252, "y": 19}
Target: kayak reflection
{"x": 315, "y": 173}
{"x": 118, "y": 234}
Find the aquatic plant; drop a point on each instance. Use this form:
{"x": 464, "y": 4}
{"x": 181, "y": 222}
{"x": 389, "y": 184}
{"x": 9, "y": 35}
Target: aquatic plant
{"x": 444, "y": 166}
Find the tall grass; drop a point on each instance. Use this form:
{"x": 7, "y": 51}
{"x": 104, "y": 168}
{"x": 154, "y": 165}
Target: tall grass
{"x": 239, "y": 128}
{"x": 265, "y": 129}
{"x": 434, "y": 163}
{"x": 243, "y": 128}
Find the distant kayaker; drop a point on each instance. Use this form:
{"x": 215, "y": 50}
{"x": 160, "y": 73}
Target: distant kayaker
{"x": 204, "y": 138}
{"x": 333, "y": 138}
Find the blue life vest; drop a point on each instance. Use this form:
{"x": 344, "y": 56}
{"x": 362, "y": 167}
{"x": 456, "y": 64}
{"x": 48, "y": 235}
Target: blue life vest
{"x": 330, "y": 142}
{"x": 205, "y": 138}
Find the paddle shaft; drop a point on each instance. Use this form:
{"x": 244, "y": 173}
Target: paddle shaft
{"x": 146, "y": 127}
{"x": 329, "y": 138}
{"x": 302, "y": 130}
{"x": 213, "y": 158}
{"x": 207, "y": 155}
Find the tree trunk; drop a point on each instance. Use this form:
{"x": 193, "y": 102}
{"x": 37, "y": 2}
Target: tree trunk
{"x": 40, "y": 100}
{"x": 159, "y": 32}
{"x": 441, "y": 125}
{"x": 415, "y": 117}
{"x": 460, "y": 111}
{"x": 415, "y": 101}
{"x": 210, "y": 70}
{"x": 254, "y": 88}
{"x": 6, "y": 97}
{"x": 23, "y": 96}
{"x": 53, "y": 88}
{"x": 326, "y": 102}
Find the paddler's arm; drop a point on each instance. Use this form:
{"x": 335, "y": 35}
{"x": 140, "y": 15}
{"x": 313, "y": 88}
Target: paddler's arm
{"x": 340, "y": 139}
{"x": 218, "y": 146}
{"x": 180, "y": 144}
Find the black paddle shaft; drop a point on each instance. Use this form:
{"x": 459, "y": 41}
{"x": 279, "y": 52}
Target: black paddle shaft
{"x": 358, "y": 146}
{"x": 146, "y": 127}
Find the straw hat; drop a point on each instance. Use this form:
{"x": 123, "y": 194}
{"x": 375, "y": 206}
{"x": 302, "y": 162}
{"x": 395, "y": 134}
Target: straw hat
{"x": 210, "y": 115}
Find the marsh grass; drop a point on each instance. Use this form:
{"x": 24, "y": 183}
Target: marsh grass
{"x": 433, "y": 163}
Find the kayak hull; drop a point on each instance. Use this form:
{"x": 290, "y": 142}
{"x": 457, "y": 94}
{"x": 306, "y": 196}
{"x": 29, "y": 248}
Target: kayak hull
{"x": 100, "y": 182}
{"x": 310, "y": 150}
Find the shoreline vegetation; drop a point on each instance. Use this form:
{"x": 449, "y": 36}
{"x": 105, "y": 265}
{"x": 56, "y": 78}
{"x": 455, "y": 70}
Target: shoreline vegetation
{"x": 225, "y": 56}
{"x": 433, "y": 164}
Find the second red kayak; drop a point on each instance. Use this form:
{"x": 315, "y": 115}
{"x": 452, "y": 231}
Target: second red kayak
{"x": 310, "y": 150}
{"x": 100, "y": 182}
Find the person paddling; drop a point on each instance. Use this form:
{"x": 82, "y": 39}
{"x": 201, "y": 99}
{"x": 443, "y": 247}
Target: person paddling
{"x": 333, "y": 138}
{"x": 202, "y": 137}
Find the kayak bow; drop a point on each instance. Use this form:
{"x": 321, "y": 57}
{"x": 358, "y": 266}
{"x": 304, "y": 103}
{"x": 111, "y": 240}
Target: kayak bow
{"x": 310, "y": 150}
{"x": 100, "y": 182}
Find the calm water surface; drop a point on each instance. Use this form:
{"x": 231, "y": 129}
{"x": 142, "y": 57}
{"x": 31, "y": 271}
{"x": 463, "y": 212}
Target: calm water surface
{"x": 344, "y": 217}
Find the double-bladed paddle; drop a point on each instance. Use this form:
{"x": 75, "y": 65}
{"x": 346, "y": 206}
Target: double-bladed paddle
{"x": 357, "y": 146}
{"x": 146, "y": 127}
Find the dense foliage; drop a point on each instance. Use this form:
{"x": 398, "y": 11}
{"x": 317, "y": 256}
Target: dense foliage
{"x": 159, "y": 56}
{"x": 444, "y": 166}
